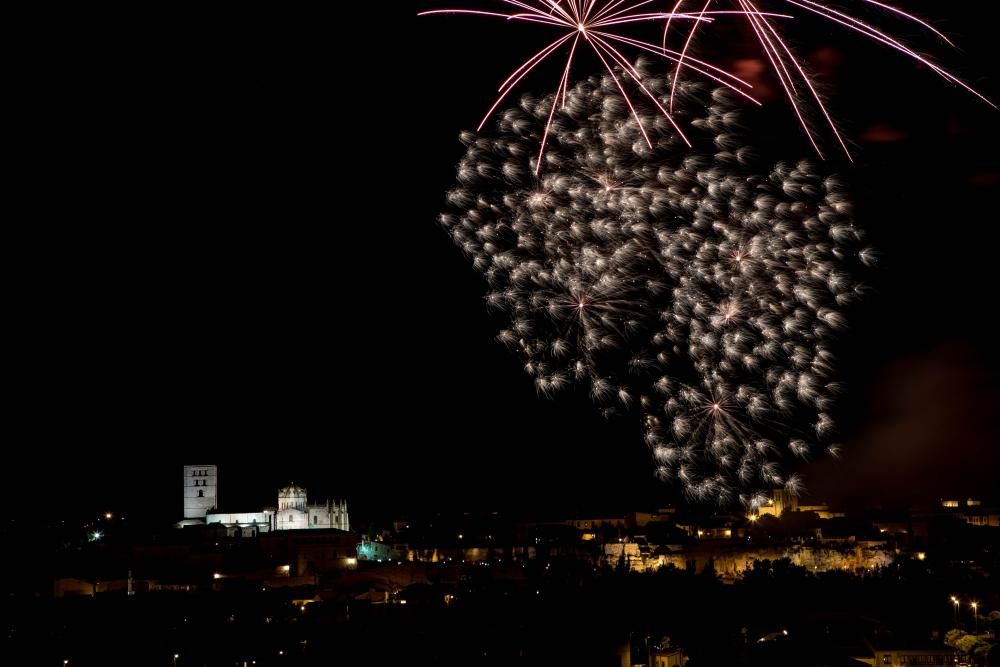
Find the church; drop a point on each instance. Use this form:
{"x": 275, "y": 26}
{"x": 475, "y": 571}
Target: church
{"x": 293, "y": 511}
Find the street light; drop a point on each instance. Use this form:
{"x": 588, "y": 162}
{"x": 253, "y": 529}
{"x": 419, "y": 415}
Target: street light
{"x": 176, "y": 655}
{"x": 954, "y": 601}
{"x": 975, "y": 614}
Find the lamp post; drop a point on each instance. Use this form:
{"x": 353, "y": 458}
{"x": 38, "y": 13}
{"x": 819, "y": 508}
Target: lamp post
{"x": 954, "y": 601}
{"x": 975, "y": 614}
{"x": 176, "y": 655}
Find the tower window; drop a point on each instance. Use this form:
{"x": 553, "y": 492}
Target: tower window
{"x": 315, "y": 519}
{"x": 201, "y": 494}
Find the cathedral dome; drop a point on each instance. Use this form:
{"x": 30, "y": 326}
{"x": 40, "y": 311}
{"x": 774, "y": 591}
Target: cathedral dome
{"x": 292, "y": 489}
{"x": 292, "y": 497}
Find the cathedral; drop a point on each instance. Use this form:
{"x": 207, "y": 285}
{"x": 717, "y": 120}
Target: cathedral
{"x": 293, "y": 512}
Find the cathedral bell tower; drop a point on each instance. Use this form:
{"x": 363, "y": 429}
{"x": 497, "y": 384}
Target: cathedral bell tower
{"x": 201, "y": 491}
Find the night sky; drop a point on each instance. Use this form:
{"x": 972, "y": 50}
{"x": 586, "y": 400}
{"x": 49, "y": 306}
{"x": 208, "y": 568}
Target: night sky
{"x": 223, "y": 249}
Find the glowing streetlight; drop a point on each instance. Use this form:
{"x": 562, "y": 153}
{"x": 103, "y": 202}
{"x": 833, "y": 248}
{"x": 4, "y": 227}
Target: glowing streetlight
{"x": 975, "y": 614}
{"x": 954, "y": 601}
{"x": 176, "y": 655}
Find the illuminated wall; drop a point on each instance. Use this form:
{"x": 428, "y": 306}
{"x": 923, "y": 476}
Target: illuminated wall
{"x": 248, "y": 523}
{"x": 201, "y": 485}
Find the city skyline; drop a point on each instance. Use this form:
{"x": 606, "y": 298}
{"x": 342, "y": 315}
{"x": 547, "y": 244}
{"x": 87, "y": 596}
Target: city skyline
{"x": 304, "y": 371}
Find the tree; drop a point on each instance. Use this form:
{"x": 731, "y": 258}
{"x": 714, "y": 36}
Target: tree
{"x": 952, "y": 636}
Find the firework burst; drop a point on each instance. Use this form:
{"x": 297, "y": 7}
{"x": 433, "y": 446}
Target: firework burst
{"x": 597, "y": 26}
{"x": 594, "y": 24}
{"x": 690, "y": 282}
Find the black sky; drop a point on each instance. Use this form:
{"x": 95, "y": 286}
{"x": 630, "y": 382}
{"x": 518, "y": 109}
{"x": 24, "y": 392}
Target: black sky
{"x": 223, "y": 249}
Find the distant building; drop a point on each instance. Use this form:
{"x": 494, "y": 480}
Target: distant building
{"x": 313, "y": 552}
{"x": 201, "y": 491}
{"x": 595, "y": 523}
{"x": 778, "y": 502}
{"x": 376, "y": 550}
{"x": 889, "y": 653}
{"x": 667, "y": 657}
{"x": 973, "y": 512}
{"x": 979, "y": 516}
{"x": 293, "y": 511}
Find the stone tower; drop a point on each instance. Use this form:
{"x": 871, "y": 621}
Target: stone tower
{"x": 201, "y": 490}
{"x": 292, "y": 497}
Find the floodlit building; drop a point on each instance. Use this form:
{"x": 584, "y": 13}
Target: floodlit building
{"x": 201, "y": 492}
{"x": 293, "y": 511}
{"x": 778, "y": 502}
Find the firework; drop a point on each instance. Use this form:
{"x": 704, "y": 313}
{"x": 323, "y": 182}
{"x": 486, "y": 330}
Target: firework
{"x": 790, "y": 70}
{"x": 593, "y": 24}
{"x": 688, "y": 282}
{"x": 597, "y": 24}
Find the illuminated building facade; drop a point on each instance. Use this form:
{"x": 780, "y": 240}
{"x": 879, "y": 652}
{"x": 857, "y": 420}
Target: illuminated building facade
{"x": 293, "y": 511}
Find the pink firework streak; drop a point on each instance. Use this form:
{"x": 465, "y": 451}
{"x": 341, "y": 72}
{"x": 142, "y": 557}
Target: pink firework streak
{"x": 595, "y": 24}
{"x": 788, "y": 68}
